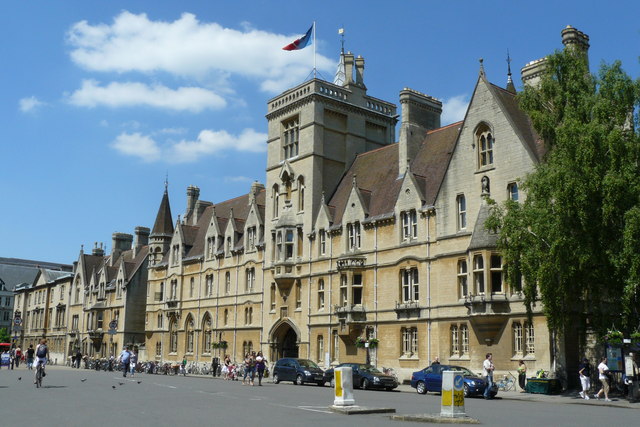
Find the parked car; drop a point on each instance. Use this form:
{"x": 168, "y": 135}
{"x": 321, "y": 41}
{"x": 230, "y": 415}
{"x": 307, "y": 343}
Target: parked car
{"x": 299, "y": 371}
{"x": 430, "y": 379}
{"x": 364, "y": 376}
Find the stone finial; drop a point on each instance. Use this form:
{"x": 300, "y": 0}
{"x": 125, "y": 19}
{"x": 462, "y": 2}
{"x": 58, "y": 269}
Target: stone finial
{"x": 481, "y": 60}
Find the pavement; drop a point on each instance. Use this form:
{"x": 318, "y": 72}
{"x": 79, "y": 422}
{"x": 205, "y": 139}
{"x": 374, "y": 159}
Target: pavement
{"x": 570, "y": 397}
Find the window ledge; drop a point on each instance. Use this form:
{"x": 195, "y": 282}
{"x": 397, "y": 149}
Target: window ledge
{"x": 412, "y": 357}
{"x": 462, "y": 358}
{"x": 528, "y": 358}
{"x": 484, "y": 169}
{"x": 298, "y": 309}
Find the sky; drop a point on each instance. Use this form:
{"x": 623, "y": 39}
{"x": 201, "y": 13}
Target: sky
{"x": 101, "y": 101}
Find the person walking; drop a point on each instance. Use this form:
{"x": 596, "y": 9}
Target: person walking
{"x": 78, "y": 359}
{"x": 260, "y": 367}
{"x": 30, "y": 353}
{"x": 247, "y": 369}
{"x": 214, "y": 366}
{"x": 522, "y": 376}
{"x": 124, "y": 359}
{"x": 603, "y": 371}
{"x": 133, "y": 362}
{"x": 584, "y": 370}
{"x": 18, "y": 356}
{"x": 487, "y": 372}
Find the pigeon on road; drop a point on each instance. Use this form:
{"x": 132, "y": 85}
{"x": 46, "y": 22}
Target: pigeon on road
{"x": 113, "y": 387}
{"x": 83, "y": 380}
{"x": 19, "y": 378}
{"x": 120, "y": 383}
{"x": 139, "y": 382}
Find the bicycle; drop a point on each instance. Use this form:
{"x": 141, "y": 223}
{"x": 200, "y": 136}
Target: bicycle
{"x": 507, "y": 383}
{"x": 39, "y": 374}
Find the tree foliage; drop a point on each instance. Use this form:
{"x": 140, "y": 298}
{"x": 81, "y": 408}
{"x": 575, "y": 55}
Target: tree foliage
{"x": 575, "y": 240}
{"x": 4, "y": 335}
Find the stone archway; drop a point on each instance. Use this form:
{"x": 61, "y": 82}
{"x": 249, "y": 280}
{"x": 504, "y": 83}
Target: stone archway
{"x": 285, "y": 341}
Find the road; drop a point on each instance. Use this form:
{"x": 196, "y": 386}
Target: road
{"x": 159, "y": 400}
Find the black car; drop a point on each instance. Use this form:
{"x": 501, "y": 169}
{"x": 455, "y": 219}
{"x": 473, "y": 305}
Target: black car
{"x": 299, "y": 371}
{"x": 365, "y": 377}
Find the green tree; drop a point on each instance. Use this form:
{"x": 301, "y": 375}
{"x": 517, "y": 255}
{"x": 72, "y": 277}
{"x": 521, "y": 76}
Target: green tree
{"x": 576, "y": 238}
{"x": 4, "y": 335}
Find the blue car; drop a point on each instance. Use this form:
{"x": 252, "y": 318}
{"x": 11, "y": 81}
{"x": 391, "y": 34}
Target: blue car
{"x": 430, "y": 379}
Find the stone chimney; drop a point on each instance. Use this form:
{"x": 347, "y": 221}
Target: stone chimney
{"x": 360, "y": 71}
{"x": 193, "y": 193}
{"x": 120, "y": 242}
{"x": 97, "y": 251}
{"x": 142, "y": 239}
{"x": 256, "y": 188}
{"x": 348, "y": 67}
{"x": 420, "y": 113}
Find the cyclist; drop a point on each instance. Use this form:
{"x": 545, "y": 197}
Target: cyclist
{"x": 42, "y": 355}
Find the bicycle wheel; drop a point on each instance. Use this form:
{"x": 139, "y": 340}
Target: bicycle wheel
{"x": 39, "y": 377}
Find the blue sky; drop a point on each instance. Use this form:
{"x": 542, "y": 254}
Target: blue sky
{"x": 100, "y": 100}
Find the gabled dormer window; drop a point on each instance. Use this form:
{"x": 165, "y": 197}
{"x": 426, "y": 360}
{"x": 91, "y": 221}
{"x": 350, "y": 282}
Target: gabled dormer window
{"x": 353, "y": 234}
{"x": 322, "y": 242}
{"x": 409, "y": 224}
{"x": 175, "y": 254}
{"x": 251, "y": 238}
{"x": 211, "y": 247}
{"x": 484, "y": 146}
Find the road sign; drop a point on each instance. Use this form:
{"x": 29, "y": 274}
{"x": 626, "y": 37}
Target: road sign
{"x": 113, "y": 324}
{"x": 111, "y": 331}
{"x": 17, "y": 321}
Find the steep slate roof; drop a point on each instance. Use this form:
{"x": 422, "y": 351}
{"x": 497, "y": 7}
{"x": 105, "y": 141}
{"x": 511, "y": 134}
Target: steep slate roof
{"x": 482, "y": 238}
{"x": 430, "y": 165}
{"x": 377, "y": 173}
{"x": 520, "y": 121}
{"x": 164, "y": 222}
{"x": 91, "y": 263}
{"x": 241, "y": 208}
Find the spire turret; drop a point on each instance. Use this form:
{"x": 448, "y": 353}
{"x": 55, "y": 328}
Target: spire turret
{"x": 510, "y": 86}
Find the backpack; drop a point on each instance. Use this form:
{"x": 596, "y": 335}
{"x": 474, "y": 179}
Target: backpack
{"x": 42, "y": 351}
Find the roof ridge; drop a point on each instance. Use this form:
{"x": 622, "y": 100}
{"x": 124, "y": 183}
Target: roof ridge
{"x": 377, "y": 149}
{"x": 444, "y": 127}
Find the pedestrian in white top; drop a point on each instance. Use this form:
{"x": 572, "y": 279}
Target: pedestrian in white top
{"x": 487, "y": 371}
{"x": 603, "y": 370}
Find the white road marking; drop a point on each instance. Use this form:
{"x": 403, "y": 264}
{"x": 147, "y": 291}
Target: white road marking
{"x": 164, "y": 385}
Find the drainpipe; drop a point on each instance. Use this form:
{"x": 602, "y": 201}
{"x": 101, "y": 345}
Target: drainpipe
{"x": 428, "y": 286}
{"x": 309, "y": 304}
{"x": 375, "y": 287}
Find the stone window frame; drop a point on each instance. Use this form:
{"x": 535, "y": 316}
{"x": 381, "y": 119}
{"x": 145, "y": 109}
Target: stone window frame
{"x": 461, "y": 212}
{"x": 321, "y": 295}
{"x": 463, "y": 278}
{"x": 410, "y": 284}
{"x": 513, "y": 191}
{"x": 485, "y": 146}
{"x": 409, "y": 225}
{"x": 290, "y": 137}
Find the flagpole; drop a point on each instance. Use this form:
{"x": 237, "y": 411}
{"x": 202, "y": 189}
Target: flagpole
{"x": 314, "y": 49}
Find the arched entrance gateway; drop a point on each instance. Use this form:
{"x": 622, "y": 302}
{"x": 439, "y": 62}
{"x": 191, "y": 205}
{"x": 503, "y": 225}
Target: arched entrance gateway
{"x": 284, "y": 340}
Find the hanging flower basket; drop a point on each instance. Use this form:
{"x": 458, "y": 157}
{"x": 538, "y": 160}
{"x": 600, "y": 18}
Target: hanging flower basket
{"x": 362, "y": 343}
{"x": 221, "y": 344}
{"x": 613, "y": 337}
{"x": 635, "y": 337}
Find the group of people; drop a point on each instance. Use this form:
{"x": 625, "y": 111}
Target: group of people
{"x": 254, "y": 365}
{"x": 40, "y": 354}
{"x": 584, "y": 370}
{"x": 128, "y": 359}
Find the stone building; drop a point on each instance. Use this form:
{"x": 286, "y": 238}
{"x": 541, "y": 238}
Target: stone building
{"x": 356, "y": 237}
{"x": 43, "y": 308}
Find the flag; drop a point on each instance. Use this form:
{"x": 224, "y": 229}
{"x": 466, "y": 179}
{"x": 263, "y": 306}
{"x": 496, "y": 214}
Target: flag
{"x": 300, "y": 43}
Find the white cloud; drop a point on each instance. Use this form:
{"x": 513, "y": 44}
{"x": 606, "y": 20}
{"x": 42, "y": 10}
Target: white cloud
{"x": 207, "y": 143}
{"x": 189, "y": 48}
{"x": 137, "y": 145}
{"x": 213, "y": 142}
{"x": 129, "y": 94}
{"x": 454, "y": 109}
{"x": 30, "y": 104}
